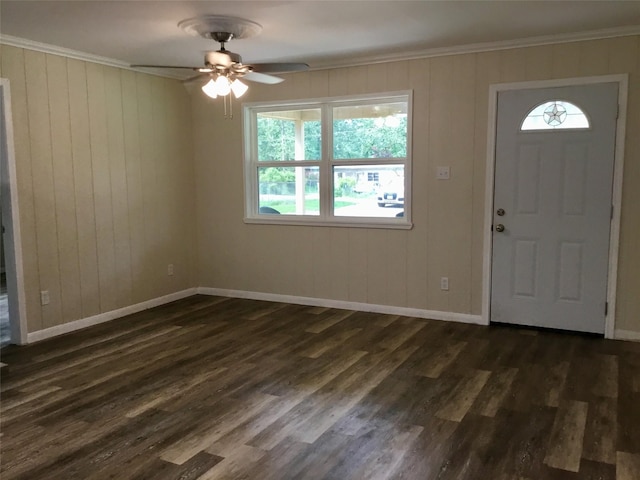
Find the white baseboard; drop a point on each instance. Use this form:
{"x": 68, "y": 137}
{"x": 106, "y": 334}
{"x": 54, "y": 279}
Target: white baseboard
{"x": 626, "y": 335}
{"x": 107, "y": 316}
{"x": 273, "y": 297}
{"x": 363, "y": 307}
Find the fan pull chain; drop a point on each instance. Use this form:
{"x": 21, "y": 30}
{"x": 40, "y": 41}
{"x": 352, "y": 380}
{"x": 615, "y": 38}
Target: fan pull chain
{"x": 228, "y": 111}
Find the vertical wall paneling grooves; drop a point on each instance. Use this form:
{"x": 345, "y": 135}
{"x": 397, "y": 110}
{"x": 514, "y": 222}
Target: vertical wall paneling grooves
{"x": 440, "y": 195}
{"x": 397, "y": 280}
{"x": 105, "y": 185}
{"x": 119, "y": 189}
{"x": 450, "y": 114}
{"x": 63, "y": 176}
{"x": 373, "y": 78}
{"x": 13, "y": 68}
{"x": 487, "y": 73}
{"x": 340, "y": 255}
{"x": 83, "y": 188}
{"x": 145, "y": 125}
{"x": 163, "y": 178}
{"x": 103, "y": 207}
{"x": 155, "y": 160}
{"x": 43, "y": 187}
{"x": 566, "y": 60}
{"x": 417, "y": 241}
{"x": 459, "y": 226}
{"x": 538, "y": 63}
{"x": 135, "y": 217}
{"x": 360, "y": 269}
{"x": 625, "y": 57}
{"x": 107, "y": 161}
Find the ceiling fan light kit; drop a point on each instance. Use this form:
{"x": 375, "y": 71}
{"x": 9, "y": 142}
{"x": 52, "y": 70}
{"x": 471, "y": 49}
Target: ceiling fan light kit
{"x": 238, "y": 88}
{"x": 225, "y": 68}
{"x": 221, "y": 86}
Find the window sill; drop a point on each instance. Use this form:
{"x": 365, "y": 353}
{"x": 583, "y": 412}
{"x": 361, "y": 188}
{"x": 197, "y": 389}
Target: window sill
{"x": 350, "y": 223}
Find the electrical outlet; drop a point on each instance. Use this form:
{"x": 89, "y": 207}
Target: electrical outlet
{"x": 44, "y": 297}
{"x": 442, "y": 173}
{"x": 444, "y": 283}
{"x": 170, "y": 269}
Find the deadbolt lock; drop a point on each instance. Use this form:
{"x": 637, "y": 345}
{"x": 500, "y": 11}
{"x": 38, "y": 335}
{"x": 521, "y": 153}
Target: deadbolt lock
{"x": 500, "y": 212}
{"x": 499, "y": 227}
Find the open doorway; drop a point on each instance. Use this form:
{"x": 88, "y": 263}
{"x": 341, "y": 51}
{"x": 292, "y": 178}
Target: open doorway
{"x": 5, "y": 329}
{"x": 12, "y": 295}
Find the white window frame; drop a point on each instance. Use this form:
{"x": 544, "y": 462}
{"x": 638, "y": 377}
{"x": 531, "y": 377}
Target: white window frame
{"x": 325, "y": 164}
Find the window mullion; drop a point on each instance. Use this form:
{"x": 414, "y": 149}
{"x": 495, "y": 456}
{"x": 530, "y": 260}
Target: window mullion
{"x": 326, "y": 183}
{"x": 251, "y": 164}
{"x": 370, "y": 161}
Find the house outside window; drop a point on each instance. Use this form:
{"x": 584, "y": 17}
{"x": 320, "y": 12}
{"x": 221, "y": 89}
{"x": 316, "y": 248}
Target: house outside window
{"x": 340, "y": 161}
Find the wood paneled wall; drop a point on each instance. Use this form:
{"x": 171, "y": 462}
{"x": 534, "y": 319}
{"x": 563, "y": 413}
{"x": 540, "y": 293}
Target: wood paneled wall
{"x": 106, "y": 176}
{"x": 402, "y": 268}
{"x": 105, "y": 183}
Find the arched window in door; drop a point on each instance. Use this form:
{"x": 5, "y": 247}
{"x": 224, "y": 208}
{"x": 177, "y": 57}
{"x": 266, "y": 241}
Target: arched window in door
{"x": 555, "y": 115}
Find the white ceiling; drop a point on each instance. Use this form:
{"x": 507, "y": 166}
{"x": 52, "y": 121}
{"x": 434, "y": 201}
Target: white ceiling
{"x": 321, "y": 33}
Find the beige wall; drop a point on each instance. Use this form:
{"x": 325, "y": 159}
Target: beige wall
{"x": 105, "y": 185}
{"x": 391, "y": 267}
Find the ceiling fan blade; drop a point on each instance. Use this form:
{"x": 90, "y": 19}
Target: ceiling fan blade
{"x": 279, "y": 67}
{"x": 163, "y": 66}
{"x": 200, "y": 76}
{"x": 262, "y": 78}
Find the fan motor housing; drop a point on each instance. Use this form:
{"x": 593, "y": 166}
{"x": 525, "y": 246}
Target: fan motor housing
{"x": 218, "y": 57}
{"x": 209, "y": 25}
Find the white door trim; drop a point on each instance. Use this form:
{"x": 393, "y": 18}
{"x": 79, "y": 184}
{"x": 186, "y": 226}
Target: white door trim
{"x": 618, "y": 168}
{"x": 13, "y": 238}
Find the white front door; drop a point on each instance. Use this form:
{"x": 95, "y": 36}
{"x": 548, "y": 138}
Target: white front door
{"x": 552, "y": 206}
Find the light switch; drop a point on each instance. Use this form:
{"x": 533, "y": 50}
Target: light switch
{"x": 442, "y": 173}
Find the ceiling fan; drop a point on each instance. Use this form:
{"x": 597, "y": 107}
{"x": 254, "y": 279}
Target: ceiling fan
{"x": 225, "y": 68}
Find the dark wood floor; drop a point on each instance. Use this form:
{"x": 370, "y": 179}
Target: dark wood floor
{"x": 216, "y": 388}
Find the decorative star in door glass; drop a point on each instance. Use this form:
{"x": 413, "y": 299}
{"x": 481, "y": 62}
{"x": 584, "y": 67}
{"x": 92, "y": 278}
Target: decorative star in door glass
{"x": 555, "y": 114}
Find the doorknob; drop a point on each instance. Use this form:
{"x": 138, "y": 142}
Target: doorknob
{"x": 499, "y": 227}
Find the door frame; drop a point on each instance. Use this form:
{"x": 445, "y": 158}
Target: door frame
{"x": 616, "y": 195}
{"x": 13, "y": 238}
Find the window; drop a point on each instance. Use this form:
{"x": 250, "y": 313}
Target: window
{"x": 339, "y": 161}
{"x": 555, "y": 115}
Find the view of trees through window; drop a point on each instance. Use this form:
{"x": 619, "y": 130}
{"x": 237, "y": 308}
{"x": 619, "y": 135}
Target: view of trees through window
{"x": 277, "y": 139}
{"x": 369, "y": 149}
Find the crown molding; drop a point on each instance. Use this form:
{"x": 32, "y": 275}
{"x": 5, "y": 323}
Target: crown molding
{"x": 357, "y": 60}
{"x": 77, "y": 55}
{"x": 479, "y": 47}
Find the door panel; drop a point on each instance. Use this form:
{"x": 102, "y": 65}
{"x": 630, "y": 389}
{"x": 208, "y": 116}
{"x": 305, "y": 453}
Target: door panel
{"x": 528, "y": 180}
{"x": 549, "y": 265}
{"x": 570, "y": 264}
{"x": 574, "y": 180}
{"x": 525, "y": 268}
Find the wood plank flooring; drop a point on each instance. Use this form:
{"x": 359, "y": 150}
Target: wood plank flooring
{"x": 218, "y": 388}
